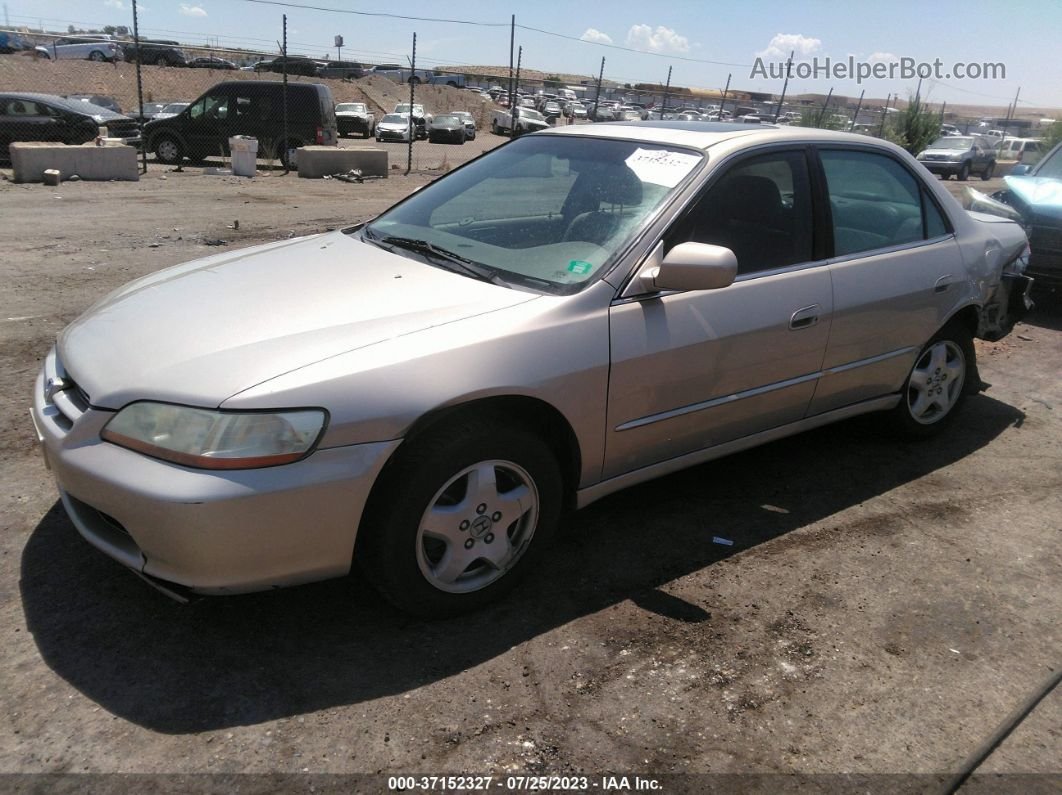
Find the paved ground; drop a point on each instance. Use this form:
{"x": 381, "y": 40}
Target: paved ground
{"x": 884, "y": 607}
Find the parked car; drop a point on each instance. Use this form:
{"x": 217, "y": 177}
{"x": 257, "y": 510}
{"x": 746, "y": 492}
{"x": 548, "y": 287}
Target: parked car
{"x": 421, "y": 118}
{"x": 212, "y": 62}
{"x": 551, "y": 110}
{"x": 46, "y": 117}
{"x": 402, "y": 74}
{"x": 446, "y": 128}
{"x": 447, "y": 79}
{"x": 470, "y": 123}
{"x": 1033, "y": 196}
{"x": 371, "y": 395}
{"x": 99, "y": 100}
{"x": 296, "y": 65}
{"x": 949, "y": 129}
{"x": 527, "y": 120}
{"x": 171, "y": 109}
{"x": 92, "y": 48}
{"x": 12, "y": 42}
{"x": 157, "y": 52}
{"x": 393, "y": 127}
{"x": 148, "y": 111}
{"x": 354, "y": 117}
{"x": 342, "y": 70}
{"x": 960, "y": 156}
{"x": 246, "y": 107}
{"x": 1023, "y": 150}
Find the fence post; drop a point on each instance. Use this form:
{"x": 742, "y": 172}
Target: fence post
{"x": 284, "y": 98}
{"x": 412, "y": 92}
{"x": 512, "y": 95}
{"x": 139, "y": 91}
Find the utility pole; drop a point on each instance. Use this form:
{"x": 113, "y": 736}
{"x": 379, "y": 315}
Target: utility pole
{"x": 512, "y": 105}
{"x": 785, "y": 85}
{"x": 663, "y": 103}
{"x": 597, "y": 96}
{"x": 284, "y": 97}
{"x": 1006, "y": 123}
{"x": 885, "y": 115}
{"x": 859, "y": 107}
{"x": 722, "y": 102}
{"x": 512, "y": 45}
{"x": 412, "y": 89}
{"x": 826, "y": 104}
{"x": 139, "y": 85}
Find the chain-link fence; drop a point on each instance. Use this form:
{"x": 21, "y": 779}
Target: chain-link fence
{"x": 184, "y": 103}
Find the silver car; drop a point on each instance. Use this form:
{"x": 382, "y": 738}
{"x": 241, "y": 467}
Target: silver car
{"x": 572, "y": 313}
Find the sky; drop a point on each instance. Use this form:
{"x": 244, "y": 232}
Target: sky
{"x": 701, "y": 42}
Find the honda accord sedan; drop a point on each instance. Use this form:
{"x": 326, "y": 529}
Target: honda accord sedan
{"x": 420, "y": 397}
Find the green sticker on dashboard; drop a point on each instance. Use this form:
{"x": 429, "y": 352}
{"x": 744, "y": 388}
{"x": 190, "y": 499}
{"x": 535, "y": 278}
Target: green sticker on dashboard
{"x": 578, "y": 267}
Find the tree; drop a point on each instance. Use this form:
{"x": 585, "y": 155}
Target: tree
{"x": 551, "y": 81}
{"x": 1052, "y": 135}
{"x": 110, "y": 30}
{"x": 914, "y": 127}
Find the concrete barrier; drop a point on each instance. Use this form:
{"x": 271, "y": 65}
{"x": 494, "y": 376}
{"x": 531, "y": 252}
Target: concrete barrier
{"x": 317, "y": 161}
{"x": 30, "y": 159}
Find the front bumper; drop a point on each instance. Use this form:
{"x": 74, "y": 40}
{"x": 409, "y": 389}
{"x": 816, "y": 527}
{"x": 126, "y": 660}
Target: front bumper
{"x": 352, "y": 125}
{"x": 211, "y": 532}
{"x": 945, "y": 167}
{"x": 389, "y": 135}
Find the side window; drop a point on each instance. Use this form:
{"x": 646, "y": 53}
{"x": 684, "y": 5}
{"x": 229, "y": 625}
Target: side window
{"x": 936, "y": 226}
{"x": 212, "y": 106}
{"x": 875, "y": 202}
{"x": 760, "y": 209}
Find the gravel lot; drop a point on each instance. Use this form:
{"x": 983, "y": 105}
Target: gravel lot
{"x": 883, "y": 610}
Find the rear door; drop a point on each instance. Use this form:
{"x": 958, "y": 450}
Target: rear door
{"x": 895, "y": 271}
{"x": 206, "y": 121}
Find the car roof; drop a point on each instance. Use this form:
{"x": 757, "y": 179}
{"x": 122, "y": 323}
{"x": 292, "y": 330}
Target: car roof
{"x": 702, "y": 135}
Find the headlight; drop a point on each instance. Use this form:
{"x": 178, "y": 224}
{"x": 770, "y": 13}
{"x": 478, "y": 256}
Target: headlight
{"x": 955, "y": 157}
{"x": 208, "y": 439}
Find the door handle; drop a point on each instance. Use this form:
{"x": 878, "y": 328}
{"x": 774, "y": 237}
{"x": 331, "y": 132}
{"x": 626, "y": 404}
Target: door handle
{"x": 943, "y": 283}
{"x": 806, "y": 317}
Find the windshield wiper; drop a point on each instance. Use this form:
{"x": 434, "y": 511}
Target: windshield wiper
{"x": 454, "y": 262}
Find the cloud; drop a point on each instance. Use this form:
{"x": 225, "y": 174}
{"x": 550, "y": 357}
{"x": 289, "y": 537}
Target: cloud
{"x": 114, "y": 4}
{"x": 596, "y": 36}
{"x": 882, "y": 57}
{"x": 192, "y": 11}
{"x": 664, "y": 40}
{"x": 784, "y": 43}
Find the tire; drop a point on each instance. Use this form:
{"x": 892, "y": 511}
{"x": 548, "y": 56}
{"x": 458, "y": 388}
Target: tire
{"x": 414, "y": 80}
{"x": 162, "y": 61}
{"x": 481, "y": 542}
{"x": 937, "y": 384}
{"x": 282, "y": 154}
{"x": 168, "y": 150}
{"x": 97, "y": 56}
{"x": 964, "y": 172}
{"x": 989, "y": 171}
{"x": 494, "y": 127}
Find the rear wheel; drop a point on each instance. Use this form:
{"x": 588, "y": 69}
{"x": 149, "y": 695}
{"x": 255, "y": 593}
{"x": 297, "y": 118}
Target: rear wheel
{"x": 460, "y": 517}
{"x": 97, "y": 56}
{"x": 989, "y": 171}
{"x": 937, "y": 384}
{"x": 162, "y": 61}
{"x": 964, "y": 172}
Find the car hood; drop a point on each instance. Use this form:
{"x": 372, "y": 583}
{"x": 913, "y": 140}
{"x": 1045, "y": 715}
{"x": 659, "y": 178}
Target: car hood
{"x": 1043, "y": 195}
{"x": 204, "y": 331}
{"x": 932, "y": 151}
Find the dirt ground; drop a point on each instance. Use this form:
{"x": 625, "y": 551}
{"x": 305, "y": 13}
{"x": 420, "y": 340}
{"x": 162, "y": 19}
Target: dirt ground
{"x": 884, "y": 609}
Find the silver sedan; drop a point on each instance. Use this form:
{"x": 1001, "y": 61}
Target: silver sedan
{"x": 575, "y": 312}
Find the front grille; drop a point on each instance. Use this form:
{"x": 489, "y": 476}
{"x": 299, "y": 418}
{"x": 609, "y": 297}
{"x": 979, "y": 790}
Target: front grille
{"x": 71, "y": 401}
{"x": 122, "y": 128}
{"x": 1046, "y": 239}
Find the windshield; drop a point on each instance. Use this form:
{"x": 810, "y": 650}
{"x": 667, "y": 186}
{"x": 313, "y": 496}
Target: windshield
{"x": 1051, "y": 166}
{"x": 350, "y": 107}
{"x": 952, "y": 142}
{"x": 175, "y": 107}
{"x": 443, "y": 120}
{"x": 546, "y": 212}
{"x": 404, "y": 108}
{"x": 394, "y": 118}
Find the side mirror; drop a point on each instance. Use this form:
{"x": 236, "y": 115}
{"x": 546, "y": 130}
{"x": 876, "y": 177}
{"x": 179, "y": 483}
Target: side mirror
{"x": 1021, "y": 169}
{"x": 696, "y": 266}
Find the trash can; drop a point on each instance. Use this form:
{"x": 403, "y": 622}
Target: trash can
{"x": 244, "y": 150}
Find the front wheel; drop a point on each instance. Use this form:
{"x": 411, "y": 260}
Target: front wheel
{"x": 460, "y": 517}
{"x": 989, "y": 171}
{"x": 964, "y": 172}
{"x": 97, "y": 56}
{"x": 162, "y": 61}
{"x": 168, "y": 150}
{"x": 937, "y": 383}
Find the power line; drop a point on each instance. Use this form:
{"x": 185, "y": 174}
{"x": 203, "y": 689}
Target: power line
{"x": 378, "y": 14}
{"x": 627, "y": 49}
